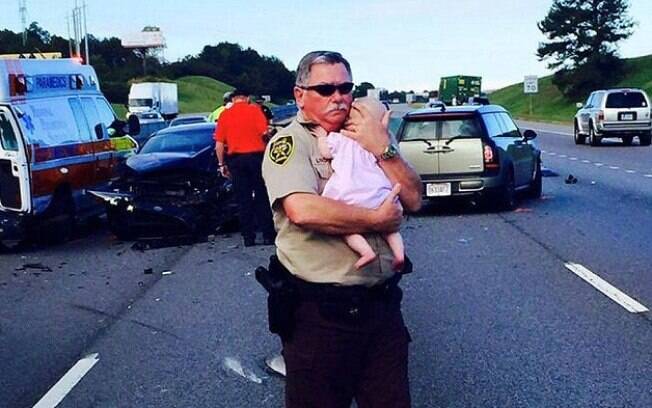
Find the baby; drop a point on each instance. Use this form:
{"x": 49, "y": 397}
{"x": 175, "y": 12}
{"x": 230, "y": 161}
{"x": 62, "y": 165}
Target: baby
{"x": 358, "y": 180}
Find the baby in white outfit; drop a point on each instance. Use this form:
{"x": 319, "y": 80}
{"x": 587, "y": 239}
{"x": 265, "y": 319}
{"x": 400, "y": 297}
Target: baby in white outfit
{"x": 358, "y": 180}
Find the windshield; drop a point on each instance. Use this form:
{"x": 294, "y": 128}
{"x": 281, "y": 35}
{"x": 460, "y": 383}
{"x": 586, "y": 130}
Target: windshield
{"x": 438, "y": 129}
{"x": 626, "y": 100}
{"x": 141, "y": 102}
{"x": 180, "y": 142}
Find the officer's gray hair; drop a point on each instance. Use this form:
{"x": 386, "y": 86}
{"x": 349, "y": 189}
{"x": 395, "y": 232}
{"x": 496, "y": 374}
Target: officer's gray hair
{"x": 318, "y": 57}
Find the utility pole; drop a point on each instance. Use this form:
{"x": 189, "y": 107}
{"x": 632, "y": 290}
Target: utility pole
{"x": 69, "y": 39}
{"x": 88, "y": 56}
{"x": 22, "y": 9}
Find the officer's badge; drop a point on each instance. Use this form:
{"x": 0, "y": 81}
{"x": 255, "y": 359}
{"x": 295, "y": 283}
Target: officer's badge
{"x": 281, "y": 150}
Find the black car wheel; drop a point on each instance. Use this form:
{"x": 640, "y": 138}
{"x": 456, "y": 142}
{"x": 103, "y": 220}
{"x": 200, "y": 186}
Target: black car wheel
{"x": 59, "y": 220}
{"x": 536, "y": 186}
{"x": 577, "y": 137}
{"x": 627, "y": 140}
{"x": 645, "y": 139}
{"x": 594, "y": 139}
{"x": 119, "y": 224}
{"x": 507, "y": 195}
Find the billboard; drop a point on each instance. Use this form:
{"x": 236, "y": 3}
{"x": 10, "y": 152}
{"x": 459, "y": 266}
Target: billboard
{"x": 144, "y": 39}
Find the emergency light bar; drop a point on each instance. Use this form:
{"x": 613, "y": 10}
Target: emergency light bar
{"x": 76, "y": 81}
{"x": 20, "y": 85}
{"x": 17, "y": 85}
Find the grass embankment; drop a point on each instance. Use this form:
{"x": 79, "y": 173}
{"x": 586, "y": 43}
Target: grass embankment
{"x": 200, "y": 94}
{"x": 549, "y": 105}
{"x": 197, "y": 94}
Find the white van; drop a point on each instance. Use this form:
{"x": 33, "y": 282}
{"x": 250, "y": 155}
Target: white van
{"x": 58, "y": 136}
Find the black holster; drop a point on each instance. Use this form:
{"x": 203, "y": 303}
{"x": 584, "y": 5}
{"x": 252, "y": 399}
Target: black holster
{"x": 282, "y": 298}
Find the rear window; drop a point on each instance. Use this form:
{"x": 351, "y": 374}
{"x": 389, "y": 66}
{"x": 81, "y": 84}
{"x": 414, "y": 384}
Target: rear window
{"x": 181, "y": 142}
{"x": 441, "y": 129}
{"x": 626, "y": 100}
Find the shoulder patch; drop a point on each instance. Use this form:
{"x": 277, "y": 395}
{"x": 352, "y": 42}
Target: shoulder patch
{"x": 281, "y": 150}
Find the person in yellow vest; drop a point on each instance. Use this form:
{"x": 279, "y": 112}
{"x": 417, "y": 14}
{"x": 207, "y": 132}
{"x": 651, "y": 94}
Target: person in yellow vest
{"x": 215, "y": 115}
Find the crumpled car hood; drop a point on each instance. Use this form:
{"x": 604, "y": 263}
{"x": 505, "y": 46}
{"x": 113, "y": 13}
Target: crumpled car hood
{"x": 149, "y": 162}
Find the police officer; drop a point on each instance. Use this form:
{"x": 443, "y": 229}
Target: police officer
{"x": 239, "y": 146}
{"x": 347, "y": 339}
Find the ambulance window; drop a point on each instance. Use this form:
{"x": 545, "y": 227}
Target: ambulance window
{"x": 91, "y": 112}
{"x": 106, "y": 113}
{"x": 49, "y": 122}
{"x": 83, "y": 132}
{"x": 7, "y": 135}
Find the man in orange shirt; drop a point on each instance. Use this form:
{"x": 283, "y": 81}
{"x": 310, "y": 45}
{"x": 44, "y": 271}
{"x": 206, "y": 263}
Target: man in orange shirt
{"x": 240, "y": 148}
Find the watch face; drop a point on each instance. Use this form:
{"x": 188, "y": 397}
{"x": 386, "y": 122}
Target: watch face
{"x": 390, "y": 152}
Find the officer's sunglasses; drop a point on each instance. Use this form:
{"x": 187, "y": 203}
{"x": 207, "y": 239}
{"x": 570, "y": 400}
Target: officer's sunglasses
{"x": 344, "y": 88}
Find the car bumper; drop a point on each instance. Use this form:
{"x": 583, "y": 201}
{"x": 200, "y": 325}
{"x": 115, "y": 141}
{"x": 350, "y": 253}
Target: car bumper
{"x": 467, "y": 186}
{"x": 624, "y": 128}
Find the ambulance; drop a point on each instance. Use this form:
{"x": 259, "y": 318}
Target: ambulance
{"x": 58, "y": 137}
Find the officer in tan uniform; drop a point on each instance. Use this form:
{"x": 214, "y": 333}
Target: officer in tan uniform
{"x": 342, "y": 329}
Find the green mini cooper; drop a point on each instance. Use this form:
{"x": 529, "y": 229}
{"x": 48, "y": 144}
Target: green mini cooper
{"x": 474, "y": 151}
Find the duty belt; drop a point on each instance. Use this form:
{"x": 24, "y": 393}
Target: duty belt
{"x": 309, "y": 291}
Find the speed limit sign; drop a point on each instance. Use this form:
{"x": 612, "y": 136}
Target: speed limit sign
{"x": 531, "y": 84}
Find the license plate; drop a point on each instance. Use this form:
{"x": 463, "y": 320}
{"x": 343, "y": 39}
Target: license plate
{"x": 438, "y": 189}
{"x": 626, "y": 116}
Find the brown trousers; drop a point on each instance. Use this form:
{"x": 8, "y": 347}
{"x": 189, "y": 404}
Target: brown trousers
{"x": 329, "y": 363}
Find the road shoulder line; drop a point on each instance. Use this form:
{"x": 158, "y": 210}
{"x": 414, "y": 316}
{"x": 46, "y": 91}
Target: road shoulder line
{"x": 606, "y": 288}
{"x": 58, "y": 392}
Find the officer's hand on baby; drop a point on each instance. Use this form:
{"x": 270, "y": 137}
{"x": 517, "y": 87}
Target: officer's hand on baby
{"x": 389, "y": 215}
{"x": 364, "y": 128}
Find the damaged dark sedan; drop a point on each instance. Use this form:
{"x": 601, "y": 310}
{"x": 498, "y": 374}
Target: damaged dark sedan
{"x": 172, "y": 187}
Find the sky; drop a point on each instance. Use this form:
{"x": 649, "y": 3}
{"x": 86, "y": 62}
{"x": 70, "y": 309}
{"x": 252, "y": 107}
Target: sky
{"x": 397, "y": 44}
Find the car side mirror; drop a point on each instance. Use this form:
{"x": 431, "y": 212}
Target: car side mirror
{"x": 100, "y": 131}
{"x": 529, "y": 134}
{"x": 579, "y": 105}
{"x": 134, "y": 125}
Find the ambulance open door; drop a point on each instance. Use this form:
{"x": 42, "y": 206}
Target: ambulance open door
{"x": 14, "y": 173}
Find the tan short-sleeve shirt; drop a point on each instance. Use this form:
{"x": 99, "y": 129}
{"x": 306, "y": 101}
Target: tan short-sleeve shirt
{"x": 293, "y": 164}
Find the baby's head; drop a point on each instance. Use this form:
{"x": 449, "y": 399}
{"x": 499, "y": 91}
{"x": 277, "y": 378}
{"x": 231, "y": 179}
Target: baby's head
{"x": 373, "y": 105}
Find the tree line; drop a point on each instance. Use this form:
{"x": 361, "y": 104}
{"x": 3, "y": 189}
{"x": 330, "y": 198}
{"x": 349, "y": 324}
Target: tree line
{"x": 116, "y": 66}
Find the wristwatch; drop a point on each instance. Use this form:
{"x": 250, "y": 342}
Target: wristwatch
{"x": 390, "y": 152}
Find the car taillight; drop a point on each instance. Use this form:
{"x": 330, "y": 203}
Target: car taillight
{"x": 490, "y": 158}
{"x": 601, "y": 116}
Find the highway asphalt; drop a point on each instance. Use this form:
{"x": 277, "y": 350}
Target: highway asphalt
{"x": 497, "y": 317}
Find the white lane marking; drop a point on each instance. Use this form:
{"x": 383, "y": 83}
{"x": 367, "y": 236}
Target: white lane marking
{"x": 547, "y": 131}
{"x": 562, "y": 156}
{"x": 606, "y": 288}
{"x": 552, "y": 153}
{"x": 573, "y": 158}
{"x": 631, "y": 171}
{"x": 598, "y": 164}
{"x": 614, "y": 167}
{"x": 543, "y": 151}
{"x": 586, "y": 161}
{"x": 648, "y": 175}
{"x": 67, "y": 382}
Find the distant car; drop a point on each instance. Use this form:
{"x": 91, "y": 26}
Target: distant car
{"x": 187, "y": 120}
{"x": 622, "y": 113}
{"x": 434, "y": 104}
{"x": 150, "y": 122}
{"x": 471, "y": 151}
{"x": 171, "y": 187}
